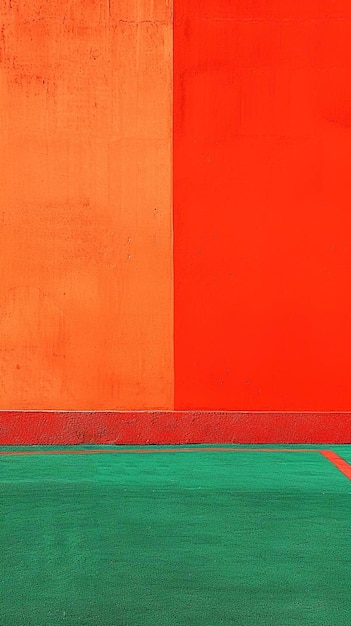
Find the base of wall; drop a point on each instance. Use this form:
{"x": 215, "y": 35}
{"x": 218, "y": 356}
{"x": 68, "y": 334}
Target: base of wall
{"x": 171, "y": 427}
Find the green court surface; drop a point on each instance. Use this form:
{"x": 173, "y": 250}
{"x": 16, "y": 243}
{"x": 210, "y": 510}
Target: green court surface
{"x": 208, "y": 536}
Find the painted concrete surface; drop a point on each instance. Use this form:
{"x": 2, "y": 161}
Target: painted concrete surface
{"x": 257, "y": 316}
{"x": 86, "y": 290}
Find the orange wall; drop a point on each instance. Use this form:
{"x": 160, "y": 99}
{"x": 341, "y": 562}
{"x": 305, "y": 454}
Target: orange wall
{"x": 86, "y": 304}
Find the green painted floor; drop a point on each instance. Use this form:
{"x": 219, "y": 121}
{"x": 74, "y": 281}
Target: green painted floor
{"x": 168, "y": 539}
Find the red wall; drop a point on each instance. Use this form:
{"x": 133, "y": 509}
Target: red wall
{"x": 262, "y": 204}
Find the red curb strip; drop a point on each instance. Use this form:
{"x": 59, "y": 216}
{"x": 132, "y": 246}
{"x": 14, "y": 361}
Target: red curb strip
{"x": 130, "y": 428}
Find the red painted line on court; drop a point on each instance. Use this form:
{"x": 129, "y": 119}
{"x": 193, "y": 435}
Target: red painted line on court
{"x": 145, "y": 451}
{"x": 340, "y": 463}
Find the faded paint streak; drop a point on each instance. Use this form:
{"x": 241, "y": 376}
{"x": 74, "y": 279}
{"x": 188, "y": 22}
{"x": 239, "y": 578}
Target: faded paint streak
{"x": 86, "y": 303}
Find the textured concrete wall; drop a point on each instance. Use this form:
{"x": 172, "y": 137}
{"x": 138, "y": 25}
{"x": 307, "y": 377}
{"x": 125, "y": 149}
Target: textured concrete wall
{"x": 86, "y": 296}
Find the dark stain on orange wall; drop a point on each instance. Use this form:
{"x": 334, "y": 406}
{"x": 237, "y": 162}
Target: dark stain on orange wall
{"x": 86, "y": 292}
{"x": 262, "y": 195}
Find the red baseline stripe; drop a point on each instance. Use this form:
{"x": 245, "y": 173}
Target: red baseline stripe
{"x": 340, "y": 463}
{"x": 147, "y": 451}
